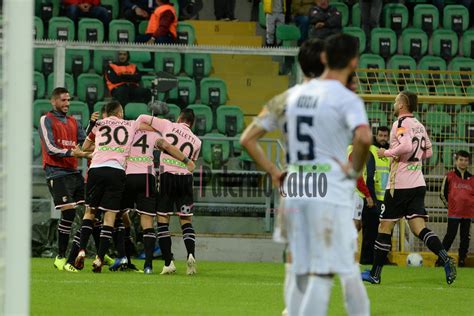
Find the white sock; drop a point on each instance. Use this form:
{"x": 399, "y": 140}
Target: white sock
{"x": 355, "y": 295}
{"x": 296, "y": 292}
{"x": 289, "y": 280}
{"x": 316, "y": 298}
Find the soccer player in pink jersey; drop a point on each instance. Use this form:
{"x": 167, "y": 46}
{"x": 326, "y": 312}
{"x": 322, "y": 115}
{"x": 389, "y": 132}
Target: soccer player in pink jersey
{"x": 176, "y": 190}
{"x": 140, "y": 186}
{"x": 405, "y": 193}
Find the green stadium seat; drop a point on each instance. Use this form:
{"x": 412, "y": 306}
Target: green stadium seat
{"x": 288, "y": 35}
{"x": 395, "y": 16}
{"x": 98, "y": 107}
{"x": 40, "y": 107}
{"x": 384, "y": 87}
{"x": 419, "y": 89}
{"x": 262, "y": 19}
{"x": 448, "y": 91}
{"x": 175, "y": 4}
{"x": 215, "y": 151}
{"x": 355, "y": 16}
{"x": 358, "y": 33}
{"x": 462, "y": 64}
{"x": 213, "y": 91}
{"x": 383, "y": 42}
{"x": 44, "y": 60}
{"x": 186, "y": 34}
{"x": 173, "y": 112}
{"x": 465, "y": 126}
{"x": 90, "y": 88}
{"x": 197, "y": 65}
{"x": 377, "y": 119}
{"x": 121, "y": 31}
{"x": 140, "y": 59}
{"x": 90, "y": 30}
{"x": 61, "y": 28}
{"x": 142, "y": 27}
{"x": 69, "y": 81}
{"x": 185, "y": 93}
{"x": 401, "y": 62}
{"x": 456, "y": 18}
{"x": 371, "y": 61}
{"x": 449, "y": 150}
{"x": 169, "y": 62}
{"x": 434, "y": 159}
{"x": 203, "y": 118}
{"x": 112, "y": 6}
{"x": 432, "y": 63}
{"x": 439, "y": 123}
{"x": 344, "y": 10}
{"x": 468, "y": 43}
{"x": 78, "y": 61}
{"x": 414, "y": 43}
{"x": 80, "y": 112}
{"x": 444, "y": 43}
{"x": 38, "y": 31}
{"x": 102, "y": 58}
{"x": 39, "y": 85}
{"x": 426, "y": 17}
{"x": 230, "y": 120}
{"x": 133, "y": 110}
{"x": 46, "y": 9}
{"x": 36, "y": 145}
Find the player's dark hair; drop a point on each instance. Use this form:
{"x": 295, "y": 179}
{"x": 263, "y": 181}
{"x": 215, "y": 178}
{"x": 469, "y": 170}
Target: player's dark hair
{"x": 58, "y": 91}
{"x": 383, "y": 129}
{"x": 187, "y": 116}
{"x": 309, "y": 57}
{"x": 340, "y": 50}
{"x": 463, "y": 153}
{"x": 411, "y": 100}
{"x": 112, "y": 108}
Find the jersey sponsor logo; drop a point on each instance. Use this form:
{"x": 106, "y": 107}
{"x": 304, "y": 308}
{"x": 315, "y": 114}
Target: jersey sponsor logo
{"x": 414, "y": 167}
{"x": 115, "y": 149}
{"x": 174, "y": 162}
{"x": 65, "y": 142}
{"x": 140, "y": 159}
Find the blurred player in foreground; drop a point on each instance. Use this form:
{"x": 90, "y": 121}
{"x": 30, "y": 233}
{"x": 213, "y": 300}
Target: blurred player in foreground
{"x": 405, "y": 193}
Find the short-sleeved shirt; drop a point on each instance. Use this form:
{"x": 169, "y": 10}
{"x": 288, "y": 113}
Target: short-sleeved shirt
{"x": 321, "y": 117}
{"x": 406, "y": 169}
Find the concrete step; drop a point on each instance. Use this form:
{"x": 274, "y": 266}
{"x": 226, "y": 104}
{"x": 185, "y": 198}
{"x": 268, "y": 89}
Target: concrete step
{"x": 206, "y": 28}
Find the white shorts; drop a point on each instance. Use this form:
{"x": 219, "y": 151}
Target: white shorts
{"x": 358, "y": 206}
{"x": 322, "y": 237}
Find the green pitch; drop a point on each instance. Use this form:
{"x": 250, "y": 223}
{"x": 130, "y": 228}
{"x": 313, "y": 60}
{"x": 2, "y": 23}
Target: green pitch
{"x": 222, "y": 288}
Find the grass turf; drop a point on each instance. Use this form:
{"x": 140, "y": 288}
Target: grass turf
{"x": 225, "y": 288}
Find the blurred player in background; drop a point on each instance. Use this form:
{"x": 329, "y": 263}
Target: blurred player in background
{"x": 272, "y": 118}
{"x": 405, "y": 194}
{"x": 176, "y": 189}
{"x": 60, "y": 135}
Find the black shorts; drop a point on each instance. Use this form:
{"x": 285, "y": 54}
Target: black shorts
{"x": 68, "y": 189}
{"x": 408, "y": 203}
{"x": 140, "y": 190}
{"x": 105, "y": 186}
{"x": 175, "y": 190}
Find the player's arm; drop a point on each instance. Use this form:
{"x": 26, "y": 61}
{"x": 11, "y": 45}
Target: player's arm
{"x": 89, "y": 143}
{"x": 443, "y": 194}
{"x": 163, "y": 145}
{"x": 150, "y": 123}
{"x": 405, "y": 144}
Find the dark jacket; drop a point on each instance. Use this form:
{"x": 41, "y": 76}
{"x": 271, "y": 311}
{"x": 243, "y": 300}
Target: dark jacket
{"x": 142, "y": 4}
{"x": 330, "y": 17}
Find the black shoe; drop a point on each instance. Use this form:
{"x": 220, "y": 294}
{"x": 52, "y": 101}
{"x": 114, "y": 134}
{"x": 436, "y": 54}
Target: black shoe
{"x": 439, "y": 263}
{"x": 462, "y": 262}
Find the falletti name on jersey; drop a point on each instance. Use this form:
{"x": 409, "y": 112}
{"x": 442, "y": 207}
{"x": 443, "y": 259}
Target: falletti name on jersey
{"x": 307, "y": 102}
{"x": 184, "y": 135}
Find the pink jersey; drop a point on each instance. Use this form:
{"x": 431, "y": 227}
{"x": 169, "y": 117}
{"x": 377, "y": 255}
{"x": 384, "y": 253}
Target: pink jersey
{"x": 113, "y": 138}
{"x": 140, "y": 159}
{"x": 409, "y": 145}
{"x": 181, "y": 136}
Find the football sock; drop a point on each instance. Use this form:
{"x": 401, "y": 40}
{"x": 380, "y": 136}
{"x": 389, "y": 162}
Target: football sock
{"x": 189, "y": 238}
{"x": 74, "y": 248}
{"x": 164, "y": 240}
{"x": 64, "y": 230}
{"x": 105, "y": 237}
{"x": 296, "y": 289}
{"x": 119, "y": 238}
{"x": 86, "y": 231}
{"x": 433, "y": 243}
{"x": 382, "y": 247}
{"x": 355, "y": 295}
{"x": 149, "y": 241}
{"x": 96, "y": 234}
{"x": 129, "y": 245}
{"x": 316, "y": 297}
{"x": 289, "y": 280}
